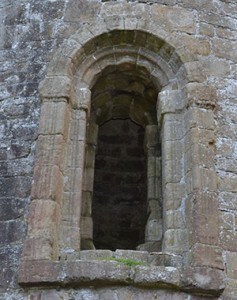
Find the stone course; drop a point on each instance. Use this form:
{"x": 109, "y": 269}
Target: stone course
{"x": 31, "y": 33}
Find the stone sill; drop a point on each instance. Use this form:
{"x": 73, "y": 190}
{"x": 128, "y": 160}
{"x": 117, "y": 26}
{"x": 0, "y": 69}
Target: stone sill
{"x": 80, "y": 273}
{"x": 96, "y": 271}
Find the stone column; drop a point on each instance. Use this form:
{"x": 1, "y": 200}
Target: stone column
{"x": 153, "y": 231}
{"x": 202, "y": 199}
{"x": 44, "y": 212}
{"x": 73, "y": 175}
{"x": 170, "y": 117}
{"x": 87, "y": 189}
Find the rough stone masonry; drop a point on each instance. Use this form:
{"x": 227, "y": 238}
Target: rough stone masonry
{"x": 169, "y": 69}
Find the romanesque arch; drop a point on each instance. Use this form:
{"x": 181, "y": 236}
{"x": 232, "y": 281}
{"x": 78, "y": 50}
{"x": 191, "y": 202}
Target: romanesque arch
{"x": 186, "y": 123}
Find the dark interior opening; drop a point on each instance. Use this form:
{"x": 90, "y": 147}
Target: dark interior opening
{"x": 119, "y": 208}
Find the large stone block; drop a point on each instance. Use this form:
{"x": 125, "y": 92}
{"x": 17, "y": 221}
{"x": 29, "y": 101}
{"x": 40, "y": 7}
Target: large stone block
{"x": 71, "y": 207}
{"x": 177, "y": 19}
{"x": 160, "y": 276}
{"x": 73, "y": 180}
{"x": 69, "y": 240}
{"x": 86, "y": 209}
{"x": 201, "y": 179}
{"x": 191, "y": 71}
{"x": 172, "y": 128}
{"x": 153, "y": 188}
{"x": 81, "y": 99}
{"x": 172, "y": 171}
{"x": 81, "y": 11}
{"x": 201, "y": 136}
{"x": 201, "y": 95}
{"x": 173, "y": 195}
{"x": 90, "y": 156}
{"x": 197, "y": 46}
{"x": 227, "y": 220}
{"x": 199, "y": 155}
{"x": 153, "y": 231}
{"x": 43, "y": 219}
{"x": 50, "y": 150}
{"x": 174, "y": 219}
{"x": 57, "y": 87}
{"x": 172, "y": 151}
{"x": 88, "y": 180}
{"x": 47, "y": 183}
{"x": 54, "y": 118}
{"x": 206, "y": 255}
{"x": 75, "y": 154}
{"x": 206, "y": 279}
{"x": 15, "y": 185}
{"x": 203, "y": 218}
{"x": 77, "y": 130}
{"x": 39, "y": 248}
{"x": 228, "y": 240}
{"x": 96, "y": 255}
{"x": 86, "y": 227}
{"x": 231, "y": 264}
{"x": 200, "y": 118}
{"x": 35, "y": 271}
{"x": 12, "y": 209}
{"x": 170, "y": 101}
{"x": 12, "y": 232}
{"x": 228, "y": 184}
{"x": 175, "y": 240}
{"x": 225, "y": 49}
{"x": 46, "y": 295}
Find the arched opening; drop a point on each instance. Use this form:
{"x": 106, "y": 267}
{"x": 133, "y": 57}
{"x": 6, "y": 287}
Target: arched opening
{"x": 126, "y": 193}
{"x": 119, "y": 207}
{"x": 60, "y": 210}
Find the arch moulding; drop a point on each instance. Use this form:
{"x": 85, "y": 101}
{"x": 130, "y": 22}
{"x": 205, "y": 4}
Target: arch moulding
{"x": 185, "y": 118}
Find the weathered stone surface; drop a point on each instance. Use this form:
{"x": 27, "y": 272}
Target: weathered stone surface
{"x": 156, "y": 276}
{"x": 175, "y": 240}
{"x": 47, "y": 183}
{"x": 231, "y": 264}
{"x": 206, "y": 255}
{"x": 189, "y": 42}
{"x": 43, "y": 219}
{"x": 38, "y": 248}
{"x": 174, "y": 20}
{"x": 55, "y": 87}
{"x": 96, "y": 254}
{"x": 165, "y": 259}
{"x": 205, "y": 278}
{"x": 205, "y": 206}
{"x": 54, "y": 117}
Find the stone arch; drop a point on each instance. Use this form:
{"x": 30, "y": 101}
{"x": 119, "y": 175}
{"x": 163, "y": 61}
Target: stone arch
{"x": 107, "y": 51}
{"x": 182, "y": 107}
{"x": 124, "y": 91}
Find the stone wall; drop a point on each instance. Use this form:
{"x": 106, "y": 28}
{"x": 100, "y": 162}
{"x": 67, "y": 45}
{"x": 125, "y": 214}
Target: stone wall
{"x": 30, "y": 33}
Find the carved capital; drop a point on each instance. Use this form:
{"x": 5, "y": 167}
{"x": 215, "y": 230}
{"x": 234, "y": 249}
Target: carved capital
{"x": 81, "y": 99}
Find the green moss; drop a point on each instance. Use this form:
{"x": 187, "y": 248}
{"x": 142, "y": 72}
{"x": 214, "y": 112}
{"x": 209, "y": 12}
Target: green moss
{"x": 126, "y": 261}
